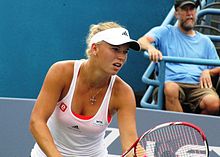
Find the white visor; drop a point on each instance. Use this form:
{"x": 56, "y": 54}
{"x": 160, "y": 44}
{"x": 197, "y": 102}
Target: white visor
{"x": 115, "y": 36}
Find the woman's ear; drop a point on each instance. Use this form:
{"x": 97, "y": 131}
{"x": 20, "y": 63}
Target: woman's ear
{"x": 93, "y": 49}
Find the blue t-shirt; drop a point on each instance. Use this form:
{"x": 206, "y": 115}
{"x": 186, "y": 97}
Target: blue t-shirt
{"x": 172, "y": 42}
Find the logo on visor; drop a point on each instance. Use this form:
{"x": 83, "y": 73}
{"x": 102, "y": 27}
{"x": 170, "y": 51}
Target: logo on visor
{"x": 125, "y": 33}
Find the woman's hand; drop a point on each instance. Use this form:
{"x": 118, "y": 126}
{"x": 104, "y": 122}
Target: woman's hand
{"x": 140, "y": 151}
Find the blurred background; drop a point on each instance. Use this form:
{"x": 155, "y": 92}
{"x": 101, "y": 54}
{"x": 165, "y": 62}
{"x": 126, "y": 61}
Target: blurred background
{"x": 36, "y": 33}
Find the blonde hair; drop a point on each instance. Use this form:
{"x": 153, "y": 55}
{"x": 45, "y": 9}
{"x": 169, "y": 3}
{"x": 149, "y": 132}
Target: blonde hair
{"x": 95, "y": 28}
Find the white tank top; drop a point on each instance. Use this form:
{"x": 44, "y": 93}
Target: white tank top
{"x": 75, "y": 137}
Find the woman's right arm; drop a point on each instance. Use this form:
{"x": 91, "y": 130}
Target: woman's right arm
{"x": 44, "y": 107}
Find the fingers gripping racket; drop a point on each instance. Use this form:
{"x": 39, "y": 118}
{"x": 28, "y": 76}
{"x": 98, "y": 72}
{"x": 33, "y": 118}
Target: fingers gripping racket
{"x": 172, "y": 139}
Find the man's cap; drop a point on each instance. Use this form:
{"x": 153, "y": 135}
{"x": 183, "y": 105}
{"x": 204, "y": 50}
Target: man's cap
{"x": 181, "y": 3}
{"x": 115, "y": 36}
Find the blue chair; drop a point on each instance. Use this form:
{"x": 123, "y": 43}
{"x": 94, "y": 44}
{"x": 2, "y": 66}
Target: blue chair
{"x": 158, "y": 81}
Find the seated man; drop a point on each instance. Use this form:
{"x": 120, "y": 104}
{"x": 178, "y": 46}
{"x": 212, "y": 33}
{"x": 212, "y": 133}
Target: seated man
{"x": 183, "y": 84}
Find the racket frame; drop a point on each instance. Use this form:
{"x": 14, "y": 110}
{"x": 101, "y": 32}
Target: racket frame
{"x": 200, "y": 131}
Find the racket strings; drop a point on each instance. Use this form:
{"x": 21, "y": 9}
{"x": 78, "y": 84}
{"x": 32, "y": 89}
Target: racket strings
{"x": 173, "y": 141}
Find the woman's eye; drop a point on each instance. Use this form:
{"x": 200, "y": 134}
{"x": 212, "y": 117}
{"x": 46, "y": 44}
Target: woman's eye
{"x": 118, "y": 50}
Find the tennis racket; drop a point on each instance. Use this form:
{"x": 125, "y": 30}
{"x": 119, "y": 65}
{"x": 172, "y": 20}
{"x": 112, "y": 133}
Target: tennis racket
{"x": 172, "y": 139}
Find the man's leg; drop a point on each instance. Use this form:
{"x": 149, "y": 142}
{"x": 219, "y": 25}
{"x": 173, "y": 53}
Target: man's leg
{"x": 210, "y": 104}
{"x": 171, "y": 91}
{"x": 206, "y": 99}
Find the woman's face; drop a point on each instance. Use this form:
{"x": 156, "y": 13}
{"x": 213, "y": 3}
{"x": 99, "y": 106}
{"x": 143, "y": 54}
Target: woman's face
{"x": 111, "y": 57}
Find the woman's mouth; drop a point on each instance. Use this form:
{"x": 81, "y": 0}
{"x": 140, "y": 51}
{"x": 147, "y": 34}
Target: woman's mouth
{"x": 117, "y": 65}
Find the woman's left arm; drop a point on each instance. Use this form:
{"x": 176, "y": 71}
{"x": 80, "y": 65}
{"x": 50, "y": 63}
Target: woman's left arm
{"x": 126, "y": 116}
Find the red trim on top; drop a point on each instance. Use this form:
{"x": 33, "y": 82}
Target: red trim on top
{"x": 82, "y": 116}
{"x": 109, "y": 118}
{"x": 88, "y": 117}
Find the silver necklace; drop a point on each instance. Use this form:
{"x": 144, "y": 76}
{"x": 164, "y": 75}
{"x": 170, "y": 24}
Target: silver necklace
{"x": 92, "y": 99}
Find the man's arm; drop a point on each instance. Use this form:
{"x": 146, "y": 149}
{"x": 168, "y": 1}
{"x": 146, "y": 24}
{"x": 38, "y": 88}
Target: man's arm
{"x": 214, "y": 71}
{"x": 205, "y": 78}
{"x": 146, "y": 44}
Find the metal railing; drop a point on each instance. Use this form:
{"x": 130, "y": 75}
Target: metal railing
{"x": 160, "y": 79}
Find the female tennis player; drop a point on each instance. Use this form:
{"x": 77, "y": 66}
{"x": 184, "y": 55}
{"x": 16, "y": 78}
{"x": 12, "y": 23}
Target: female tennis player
{"x": 79, "y": 98}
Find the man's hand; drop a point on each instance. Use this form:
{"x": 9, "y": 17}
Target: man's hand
{"x": 205, "y": 79}
{"x": 154, "y": 54}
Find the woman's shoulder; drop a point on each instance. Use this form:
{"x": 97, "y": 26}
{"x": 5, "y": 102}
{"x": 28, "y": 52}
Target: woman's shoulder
{"x": 66, "y": 63}
{"x": 120, "y": 86}
{"x": 61, "y": 72}
{"x": 62, "y": 66}
{"x": 63, "y": 69}
{"x": 122, "y": 95}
